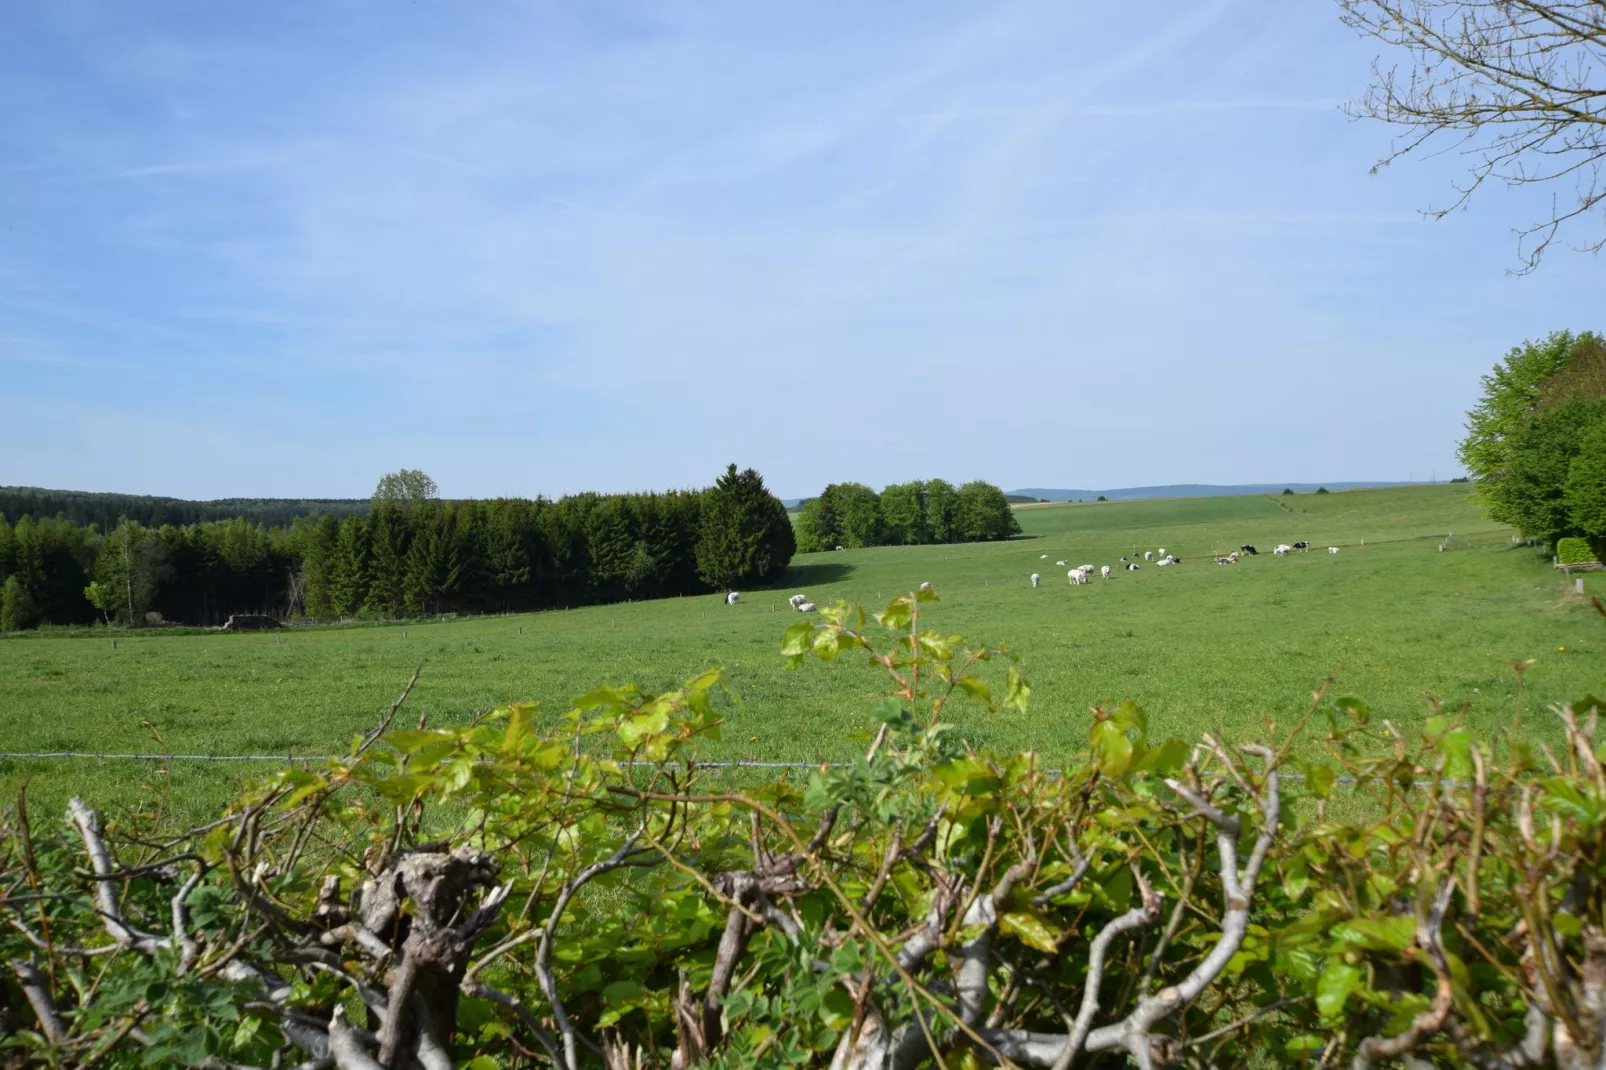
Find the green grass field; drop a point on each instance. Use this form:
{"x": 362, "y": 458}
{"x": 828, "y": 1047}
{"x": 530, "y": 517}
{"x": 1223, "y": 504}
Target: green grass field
{"x": 1200, "y": 646}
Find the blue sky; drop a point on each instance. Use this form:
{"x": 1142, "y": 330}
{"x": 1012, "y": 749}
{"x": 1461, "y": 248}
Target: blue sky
{"x": 254, "y": 249}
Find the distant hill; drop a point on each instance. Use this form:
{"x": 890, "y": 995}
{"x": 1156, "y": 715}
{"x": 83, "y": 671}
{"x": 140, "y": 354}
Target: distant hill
{"x": 1186, "y": 490}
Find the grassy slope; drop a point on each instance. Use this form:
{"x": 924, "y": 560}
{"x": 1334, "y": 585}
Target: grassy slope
{"x": 1199, "y": 645}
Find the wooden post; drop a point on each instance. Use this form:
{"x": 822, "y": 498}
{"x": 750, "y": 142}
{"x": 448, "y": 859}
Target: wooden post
{"x": 1578, "y": 585}
{"x": 114, "y": 644}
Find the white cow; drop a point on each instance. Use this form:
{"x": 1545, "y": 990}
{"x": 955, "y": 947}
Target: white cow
{"x": 1147, "y": 556}
{"x": 1076, "y": 576}
{"x": 796, "y": 600}
{"x": 926, "y": 586}
{"x": 1042, "y": 557}
{"x": 1332, "y": 549}
{"x": 1282, "y": 549}
{"x": 1086, "y": 568}
{"x": 1061, "y": 564}
{"x": 1163, "y": 562}
{"x": 1162, "y": 551}
{"x": 732, "y": 598}
{"x": 1035, "y": 578}
{"x": 1105, "y": 571}
{"x": 805, "y": 607}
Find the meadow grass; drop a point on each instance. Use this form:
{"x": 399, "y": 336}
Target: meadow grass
{"x": 1200, "y": 646}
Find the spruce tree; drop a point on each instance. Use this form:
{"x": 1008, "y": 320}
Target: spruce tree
{"x": 745, "y": 536}
{"x": 16, "y": 607}
{"x": 387, "y": 564}
{"x": 348, "y": 574}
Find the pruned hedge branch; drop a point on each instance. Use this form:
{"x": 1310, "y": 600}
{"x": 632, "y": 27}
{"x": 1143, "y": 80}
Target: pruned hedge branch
{"x": 575, "y": 892}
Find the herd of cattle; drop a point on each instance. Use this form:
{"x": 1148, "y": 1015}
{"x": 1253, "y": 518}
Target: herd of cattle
{"x": 1081, "y": 574}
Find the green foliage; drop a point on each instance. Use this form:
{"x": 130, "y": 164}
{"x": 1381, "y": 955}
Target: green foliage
{"x": 1585, "y": 491}
{"x": 1323, "y": 490}
{"x": 1394, "y": 902}
{"x": 981, "y": 514}
{"x": 744, "y": 536}
{"x": 1531, "y": 493}
{"x": 1575, "y": 551}
{"x": 852, "y": 516}
{"x": 1288, "y": 490}
{"x": 405, "y": 489}
{"x": 16, "y": 605}
{"x": 1510, "y": 398}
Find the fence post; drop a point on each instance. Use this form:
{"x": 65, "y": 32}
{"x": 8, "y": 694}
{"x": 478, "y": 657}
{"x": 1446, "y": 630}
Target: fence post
{"x": 1578, "y": 585}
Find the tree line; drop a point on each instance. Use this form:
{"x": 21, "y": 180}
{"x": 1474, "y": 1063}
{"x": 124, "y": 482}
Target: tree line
{"x": 1536, "y": 441}
{"x": 408, "y": 556}
{"x": 851, "y": 515}
{"x": 101, "y": 510}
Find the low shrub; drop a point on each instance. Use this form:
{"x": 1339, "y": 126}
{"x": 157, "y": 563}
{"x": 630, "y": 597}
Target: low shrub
{"x": 1575, "y": 552}
{"x": 586, "y": 894}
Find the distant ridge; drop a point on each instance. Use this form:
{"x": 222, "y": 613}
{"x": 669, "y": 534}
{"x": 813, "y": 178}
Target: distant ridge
{"x": 1189, "y": 490}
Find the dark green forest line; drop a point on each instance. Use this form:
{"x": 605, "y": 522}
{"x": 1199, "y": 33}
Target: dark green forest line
{"x": 105, "y": 510}
{"x": 410, "y": 554}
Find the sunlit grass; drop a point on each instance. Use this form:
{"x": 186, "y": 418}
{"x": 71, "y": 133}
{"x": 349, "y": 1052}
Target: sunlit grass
{"x": 1200, "y": 646}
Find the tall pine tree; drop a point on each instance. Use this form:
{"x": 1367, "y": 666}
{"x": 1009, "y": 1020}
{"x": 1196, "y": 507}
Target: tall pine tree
{"x": 746, "y": 536}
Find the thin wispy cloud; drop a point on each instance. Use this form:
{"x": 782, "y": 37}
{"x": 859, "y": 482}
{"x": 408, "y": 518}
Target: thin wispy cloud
{"x": 536, "y": 250}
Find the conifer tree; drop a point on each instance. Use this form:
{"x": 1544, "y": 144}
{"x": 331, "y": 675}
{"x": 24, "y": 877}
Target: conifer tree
{"x": 745, "y": 535}
{"x": 387, "y": 554}
{"x": 348, "y": 573}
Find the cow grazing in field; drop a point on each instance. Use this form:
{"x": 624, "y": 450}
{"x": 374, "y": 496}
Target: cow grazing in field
{"x": 1105, "y": 571}
{"x": 797, "y": 600}
{"x": 1302, "y": 546}
{"x": 1246, "y": 548}
{"x": 1042, "y": 557}
{"x": 1132, "y": 566}
{"x": 1086, "y": 568}
{"x": 1076, "y": 576}
{"x": 926, "y": 586}
{"x": 1161, "y": 551}
{"x": 1061, "y": 564}
{"x": 1147, "y": 556}
{"x": 804, "y": 607}
{"x": 732, "y": 598}
{"x": 1035, "y": 579}
{"x": 1162, "y": 563}
{"x": 840, "y": 547}
{"x": 1229, "y": 559}
{"x": 1332, "y": 549}
{"x": 1282, "y": 549}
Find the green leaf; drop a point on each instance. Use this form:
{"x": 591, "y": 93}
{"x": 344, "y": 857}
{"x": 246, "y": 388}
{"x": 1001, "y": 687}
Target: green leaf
{"x": 975, "y": 688}
{"x": 798, "y": 638}
{"x": 1457, "y": 747}
{"x": 481, "y": 1062}
{"x": 1337, "y": 981}
{"x": 1017, "y": 691}
{"x": 1166, "y": 758}
{"x": 1031, "y": 930}
{"x": 1319, "y": 779}
{"x": 621, "y": 992}
{"x": 898, "y": 614}
{"x": 1112, "y": 751}
{"x": 836, "y": 1009}
{"x": 1566, "y": 798}
{"x": 1357, "y": 710}
{"x": 1377, "y": 934}
{"x": 1130, "y": 715}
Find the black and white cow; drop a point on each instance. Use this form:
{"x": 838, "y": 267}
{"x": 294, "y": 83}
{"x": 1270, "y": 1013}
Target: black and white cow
{"x": 1246, "y": 548}
{"x": 1302, "y": 546}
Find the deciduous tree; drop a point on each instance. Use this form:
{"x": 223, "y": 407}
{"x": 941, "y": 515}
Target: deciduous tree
{"x": 1517, "y": 86}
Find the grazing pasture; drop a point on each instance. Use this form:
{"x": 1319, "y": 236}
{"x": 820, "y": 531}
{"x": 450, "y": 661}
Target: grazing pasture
{"x": 1201, "y": 647}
